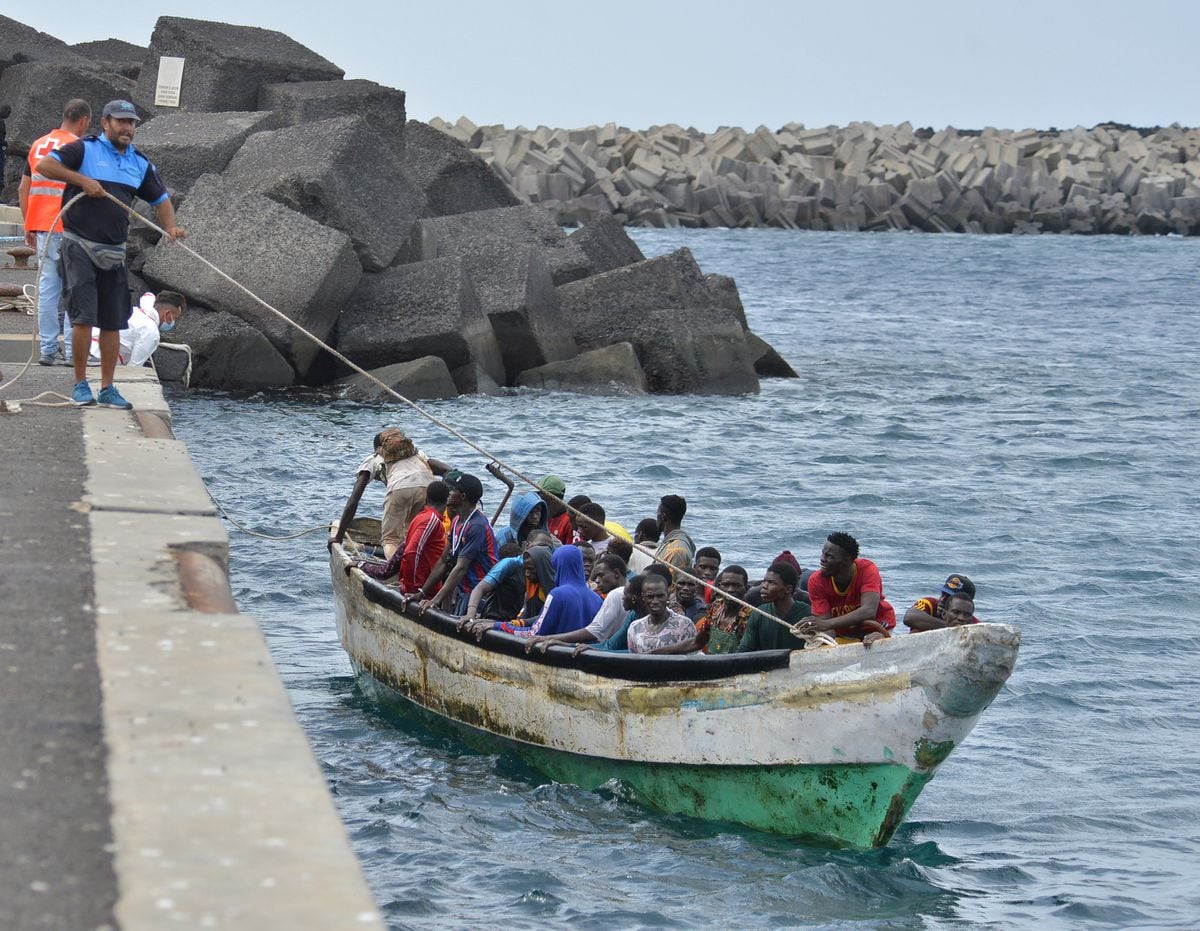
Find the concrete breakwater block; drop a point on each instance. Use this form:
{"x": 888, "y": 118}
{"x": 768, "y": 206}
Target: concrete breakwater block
{"x": 312, "y": 271}
{"x": 606, "y": 244}
{"x": 859, "y": 176}
{"x": 299, "y": 102}
{"x": 116, "y": 55}
{"x": 423, "y": 309}
{"x": 685, "y": 341}
{"x": 469, "y": 233}
{"x": 426, "y": 377}
{"x": 37, "y": 90}
{"x": 229, "y": 353}
{"x": 322, "y": 169}
{"x": 227, "y": 65}
{"x": 184, "y": 146}
{"x": 517, "y": 293}
{"x": 452, "y": 178}
{"x": 608, "y": 370}
{"x": 20, "y": 43}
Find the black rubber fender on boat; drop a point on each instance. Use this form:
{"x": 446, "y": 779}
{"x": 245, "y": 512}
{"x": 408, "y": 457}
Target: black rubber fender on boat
{"x": 636, "y": 667}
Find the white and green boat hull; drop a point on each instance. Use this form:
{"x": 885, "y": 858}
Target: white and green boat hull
{"x": 832, "y": 744}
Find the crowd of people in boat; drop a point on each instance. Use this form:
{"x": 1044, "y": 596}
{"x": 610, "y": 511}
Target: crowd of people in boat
{"x": 563, "y": 572}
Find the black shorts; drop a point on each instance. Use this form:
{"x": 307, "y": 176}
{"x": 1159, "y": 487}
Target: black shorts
{"x": 91, "y": 297}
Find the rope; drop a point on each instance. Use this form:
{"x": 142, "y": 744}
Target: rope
{"x": 255, "y": 533}
{"x": 436, "y": 421}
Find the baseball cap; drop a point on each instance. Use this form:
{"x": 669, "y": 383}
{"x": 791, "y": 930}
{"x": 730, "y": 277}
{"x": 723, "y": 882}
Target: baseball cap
{"x": 468, "y": 485}
{"x": 121, "y": 109}
{"x": 959, "y": 585}
{"x": 554, "y": 485}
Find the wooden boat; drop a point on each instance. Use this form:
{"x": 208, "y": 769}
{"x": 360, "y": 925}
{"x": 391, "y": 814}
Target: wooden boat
{"x": 830, "y": 744}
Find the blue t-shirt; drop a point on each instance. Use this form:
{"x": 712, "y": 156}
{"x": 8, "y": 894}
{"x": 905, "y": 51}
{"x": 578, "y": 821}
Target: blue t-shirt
{"x": 619, "y": 641}
{"x": 125, "y": 175}
{"x": 471, "y": 538}
{"x": 504, "y": 570}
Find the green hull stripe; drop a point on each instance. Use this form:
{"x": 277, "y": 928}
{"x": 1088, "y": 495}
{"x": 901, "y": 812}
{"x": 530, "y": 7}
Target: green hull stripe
{"x": 844, "y": 804}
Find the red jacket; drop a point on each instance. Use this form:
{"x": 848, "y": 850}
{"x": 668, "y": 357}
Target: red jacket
{"x": 423, "y": 547}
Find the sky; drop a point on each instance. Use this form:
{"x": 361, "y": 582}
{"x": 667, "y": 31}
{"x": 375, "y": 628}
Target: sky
{"x": 1016, "y": 64}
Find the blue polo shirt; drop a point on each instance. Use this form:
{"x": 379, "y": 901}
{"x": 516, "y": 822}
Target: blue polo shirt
{"x": 125, "y": 175}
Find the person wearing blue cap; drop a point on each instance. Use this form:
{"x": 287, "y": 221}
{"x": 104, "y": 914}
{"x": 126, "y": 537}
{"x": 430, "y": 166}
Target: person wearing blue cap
{"x": 92, "y": 258}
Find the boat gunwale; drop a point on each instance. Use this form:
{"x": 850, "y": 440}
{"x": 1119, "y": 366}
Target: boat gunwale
{"x": 649, "y": 668}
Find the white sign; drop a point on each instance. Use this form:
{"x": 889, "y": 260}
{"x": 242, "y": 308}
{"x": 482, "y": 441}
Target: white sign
{"x": 170, "y": 78}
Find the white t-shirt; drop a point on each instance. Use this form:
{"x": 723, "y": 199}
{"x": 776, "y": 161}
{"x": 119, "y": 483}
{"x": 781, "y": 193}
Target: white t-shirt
{"x": 639, "y": 562}
{"x": 413, "y": 472}
{"x": 610, "y": 615}
{"x": 375, "y": 465}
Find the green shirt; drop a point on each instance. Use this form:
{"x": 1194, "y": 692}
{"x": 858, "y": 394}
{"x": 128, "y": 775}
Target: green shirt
{"x": 765, "y": 634}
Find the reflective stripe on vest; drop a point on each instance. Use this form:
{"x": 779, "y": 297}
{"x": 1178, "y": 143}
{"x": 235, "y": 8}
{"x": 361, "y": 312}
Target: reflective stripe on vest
{"x": 45, "y": 196}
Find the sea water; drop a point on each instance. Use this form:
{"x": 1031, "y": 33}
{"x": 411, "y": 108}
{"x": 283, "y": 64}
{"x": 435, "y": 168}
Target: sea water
{"x": 1023, "y": 410}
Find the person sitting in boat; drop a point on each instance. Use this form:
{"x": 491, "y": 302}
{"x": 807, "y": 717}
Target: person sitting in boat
{"x": 720, "y": 628}
{"x": 501, "y": 594}
{"x": 472, "y": 550}
{"x": 612, "y": 611}
{"x": 424, "y": 544}
{"x": 607, "y": 574}
{"x": 571, "y": 605}
{"x": 645, "y": 537}
{"x": 688, "y": 600}
{"x": 847, "y": 594}
{"x": 590, "y": 527}
{"x": 553, "y": 491}
{"x": 676, "y": 548}
{"x": 409, "y": 472}
{"x": 588, "y": 555}
{"x": 706, "y": 567}
{"x": 930, "y": 613}
{"x": 536, "y": 579}
{"x": 660, "y": 628}
{"x": 623, "y": 550}
{"x": 771, "y": 626}
{"x": 618, "y": 641}
{"x": 527, "y": 514}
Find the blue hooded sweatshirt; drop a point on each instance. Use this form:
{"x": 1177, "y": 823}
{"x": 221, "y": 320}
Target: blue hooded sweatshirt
{"x": 571, "y": 605}
{"x": 521, "y": 507}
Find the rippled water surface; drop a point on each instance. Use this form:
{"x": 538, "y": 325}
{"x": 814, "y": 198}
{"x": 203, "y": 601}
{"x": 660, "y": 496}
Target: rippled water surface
{"x": 1025, "y": 410}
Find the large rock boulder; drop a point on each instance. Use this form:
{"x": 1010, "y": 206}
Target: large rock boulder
{"x": 20, "y": 43}
{"x": 427, "y": 377}
{"x": 606, "y": 244}
{"x": 517, "y": 293}
{"x": 423, "y": 309}
{"x": 470, "y": 233}
{"x": 724, "y": 291}
{"x": 225, "y": 66}
{"x": 185, "y": 146}
{"x": 342, "y": 174}
{"x": 228, "y": 353}
{"x": 685, "y": 341}
{"x": 609, "y": 370}
{"x": 38, "y": 90}
{"x": 303, "y": 269}
{"x": 767, "y": 362}
{"x": 297, "y": 103}
{"x": 116, "y": 55}
{"x": 452, "y": 177}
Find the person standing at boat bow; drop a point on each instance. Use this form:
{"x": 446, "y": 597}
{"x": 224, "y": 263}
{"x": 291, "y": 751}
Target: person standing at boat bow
{"x": 676, "y": 549}
{"x": 471, "y": 554}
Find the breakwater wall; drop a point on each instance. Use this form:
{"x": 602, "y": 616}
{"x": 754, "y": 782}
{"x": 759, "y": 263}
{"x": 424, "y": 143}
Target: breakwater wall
{"x": 1107, "y": 179}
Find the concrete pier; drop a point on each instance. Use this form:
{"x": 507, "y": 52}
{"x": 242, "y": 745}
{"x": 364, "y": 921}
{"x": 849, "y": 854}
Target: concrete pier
{"x": 152, "y": 773}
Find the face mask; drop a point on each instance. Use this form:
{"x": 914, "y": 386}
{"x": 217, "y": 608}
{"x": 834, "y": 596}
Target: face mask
{"x": 167, "y": 327}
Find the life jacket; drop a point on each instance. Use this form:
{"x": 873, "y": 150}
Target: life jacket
{"x": 45, "y": 196}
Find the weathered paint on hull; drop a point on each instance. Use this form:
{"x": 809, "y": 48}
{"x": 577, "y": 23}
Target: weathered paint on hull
{"x": 835, "y": 745}
{"x": 856, "y": 804}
